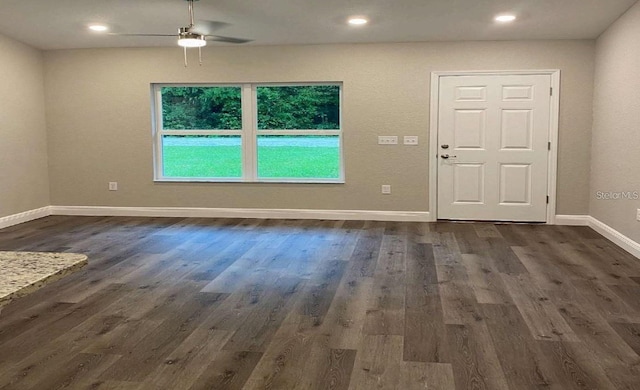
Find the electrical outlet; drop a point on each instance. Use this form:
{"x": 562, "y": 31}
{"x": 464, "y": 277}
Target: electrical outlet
{"x": 386, "y": 189}
{"x": 410, "y": 139}
{"x": 113, "y": 186}
{"x": 388, "y": 140}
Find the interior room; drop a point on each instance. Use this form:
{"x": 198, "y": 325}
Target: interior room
{"x": 213, "y": 194}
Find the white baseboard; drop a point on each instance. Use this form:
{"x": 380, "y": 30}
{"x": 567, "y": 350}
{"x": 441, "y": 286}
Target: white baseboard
{"x": 26, "y": 216}
{"x": 366, "y": 215}
{"x": 618, "y": 238}
{"x": 612, "y": 234}
{"x": 572, "y": 220}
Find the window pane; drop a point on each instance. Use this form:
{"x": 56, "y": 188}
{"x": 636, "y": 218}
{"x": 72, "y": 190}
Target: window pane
{"x": 309, "y": 107}
{"x": 202, "y": 156}
{"x": 311, "y": 157}
{"x": 201, "y": 108}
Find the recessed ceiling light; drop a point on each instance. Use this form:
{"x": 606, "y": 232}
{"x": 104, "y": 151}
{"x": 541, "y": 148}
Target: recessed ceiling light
{"x": 98, "y": 27}
{"x": 358, "y": 21}
{"x": 505, "y": 18}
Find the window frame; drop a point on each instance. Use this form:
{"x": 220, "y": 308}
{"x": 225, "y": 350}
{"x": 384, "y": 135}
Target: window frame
{"x": 249, "y": 134}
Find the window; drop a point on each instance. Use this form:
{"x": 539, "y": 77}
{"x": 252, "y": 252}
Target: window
{"x": 200, "y": 132}
{"x": 248, "y": 132}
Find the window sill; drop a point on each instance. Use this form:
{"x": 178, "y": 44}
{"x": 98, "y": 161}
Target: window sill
{"x": 240, "y": 181}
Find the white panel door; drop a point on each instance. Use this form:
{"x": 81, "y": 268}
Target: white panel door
{"x": 493, "y": 134}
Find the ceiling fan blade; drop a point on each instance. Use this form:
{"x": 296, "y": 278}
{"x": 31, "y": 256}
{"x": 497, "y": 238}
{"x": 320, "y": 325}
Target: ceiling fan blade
{"x": 218, "y": 38}
{"x": 207, "y": 27}
{"x": 143, "y": 35}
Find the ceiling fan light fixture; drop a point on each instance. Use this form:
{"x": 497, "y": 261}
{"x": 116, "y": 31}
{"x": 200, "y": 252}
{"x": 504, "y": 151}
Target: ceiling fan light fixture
{"x": 188, "y": 39}
{"x": 192, "y": 42}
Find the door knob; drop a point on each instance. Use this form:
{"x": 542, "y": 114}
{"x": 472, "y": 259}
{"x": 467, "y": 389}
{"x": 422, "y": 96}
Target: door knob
{"x": 446, "y": 156}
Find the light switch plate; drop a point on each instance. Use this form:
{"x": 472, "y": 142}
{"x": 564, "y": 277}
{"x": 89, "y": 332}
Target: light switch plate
{"x": 410, "y": 139}
{"x": 386, "y": 189}
{"x": 387, "y": 140}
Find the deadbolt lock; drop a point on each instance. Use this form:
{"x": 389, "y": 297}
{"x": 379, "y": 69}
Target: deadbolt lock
{"x": 444, "y": 146}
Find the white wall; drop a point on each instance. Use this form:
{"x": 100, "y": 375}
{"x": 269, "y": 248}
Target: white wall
{"x": 98, "y": 111}
{"x": 615, "y": 164}
{"x": 24, "y": 180}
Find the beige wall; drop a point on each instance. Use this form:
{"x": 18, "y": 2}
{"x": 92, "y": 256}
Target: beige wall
{"x": 24, "y": 182}
{"x": 98, "y": 111}
{"x": 615, "y": 162}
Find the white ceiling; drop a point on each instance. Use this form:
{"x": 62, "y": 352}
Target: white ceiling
{"x": 61, "y": 24}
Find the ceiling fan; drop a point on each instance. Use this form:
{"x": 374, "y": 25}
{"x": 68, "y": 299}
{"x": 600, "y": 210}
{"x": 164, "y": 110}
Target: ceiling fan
{"x": 196, "y": 34}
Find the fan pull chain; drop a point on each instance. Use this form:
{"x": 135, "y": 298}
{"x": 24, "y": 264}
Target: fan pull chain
{"x": 186, "y": 63}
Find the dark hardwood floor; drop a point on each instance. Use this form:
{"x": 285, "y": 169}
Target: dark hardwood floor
{"x": 180, "y": 303}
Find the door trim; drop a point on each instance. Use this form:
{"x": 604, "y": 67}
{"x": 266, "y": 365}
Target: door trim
{"x": 554, "y": 121}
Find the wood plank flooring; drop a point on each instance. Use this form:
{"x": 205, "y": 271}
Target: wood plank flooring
{"x": 187, "y": 303}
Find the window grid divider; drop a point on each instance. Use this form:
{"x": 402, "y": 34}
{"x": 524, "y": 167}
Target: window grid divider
{"x": 298, "y": 132}
{"x": 202, "y": 132}
{"x": 249, "y": 149}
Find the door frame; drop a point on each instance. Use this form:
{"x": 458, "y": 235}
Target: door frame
{"x": 554, "y": 121}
